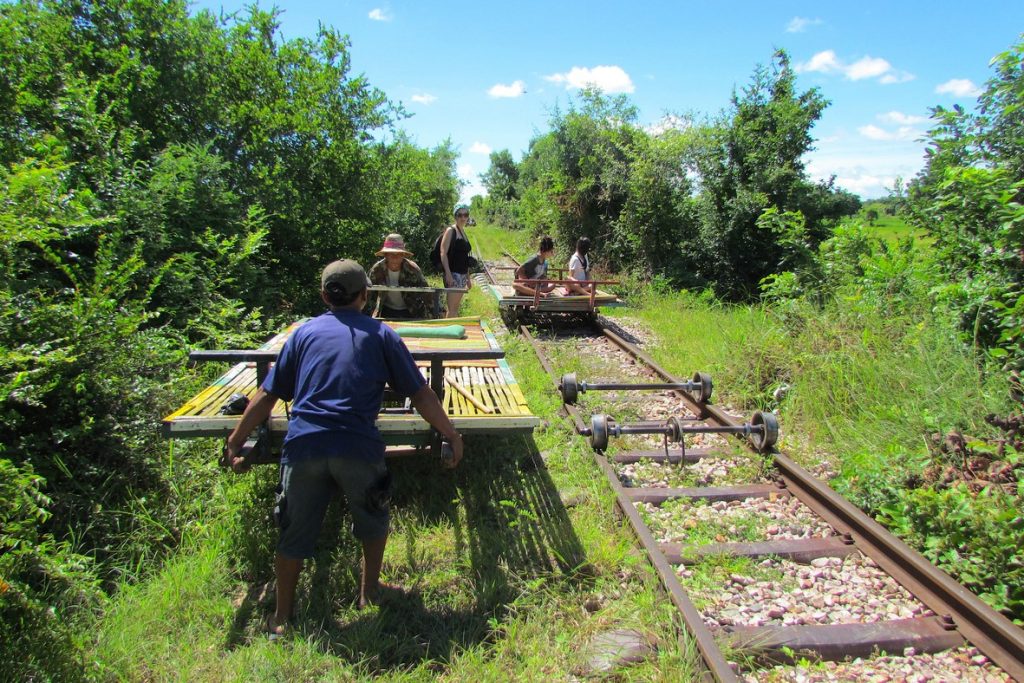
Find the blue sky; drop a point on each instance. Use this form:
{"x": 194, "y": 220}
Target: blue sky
{"x": 487, "y": 75}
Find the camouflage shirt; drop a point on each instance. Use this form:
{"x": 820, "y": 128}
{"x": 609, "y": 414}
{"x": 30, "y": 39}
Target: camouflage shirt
{"x": 410, "y": 275}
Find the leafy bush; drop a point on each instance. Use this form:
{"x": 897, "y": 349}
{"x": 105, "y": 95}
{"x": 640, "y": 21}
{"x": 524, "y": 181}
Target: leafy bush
{"x": 970, "y": 200}
{"x": 44, "y": 585}
{"x": 165, "y": 181}
{"x": 977, "y": 537}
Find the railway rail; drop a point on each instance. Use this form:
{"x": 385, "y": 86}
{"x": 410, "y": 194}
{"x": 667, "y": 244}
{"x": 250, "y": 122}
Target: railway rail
{"x": 925, "y": 612}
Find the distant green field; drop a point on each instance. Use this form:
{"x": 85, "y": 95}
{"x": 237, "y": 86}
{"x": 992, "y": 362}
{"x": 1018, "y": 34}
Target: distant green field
{"x": 495, "y": 241}
{"x": 884, "y": 226}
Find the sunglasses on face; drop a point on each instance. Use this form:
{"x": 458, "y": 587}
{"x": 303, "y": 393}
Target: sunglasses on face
{"x": 462, "y": 215}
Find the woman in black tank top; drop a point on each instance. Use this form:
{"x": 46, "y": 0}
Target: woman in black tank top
{"x": 455, "y": 250}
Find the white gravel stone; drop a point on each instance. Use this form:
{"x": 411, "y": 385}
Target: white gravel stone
{"x": 951, "y": 666}
{"x": 789, "y": 599}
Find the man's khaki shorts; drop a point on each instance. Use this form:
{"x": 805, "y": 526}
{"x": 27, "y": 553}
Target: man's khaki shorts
{"x": 307, "y": 487}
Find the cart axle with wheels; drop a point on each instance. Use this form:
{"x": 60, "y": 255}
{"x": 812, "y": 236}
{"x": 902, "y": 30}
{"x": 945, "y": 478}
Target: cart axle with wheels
{"x": 763, "y": 430}
{"x": 699, "y": 388}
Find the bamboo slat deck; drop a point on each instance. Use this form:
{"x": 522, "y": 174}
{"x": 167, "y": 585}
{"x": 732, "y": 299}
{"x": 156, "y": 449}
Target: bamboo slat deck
{"x": 556, "y": 301}
{"x": 488, "y": 380}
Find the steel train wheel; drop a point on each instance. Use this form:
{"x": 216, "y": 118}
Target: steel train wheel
{"x": 599, "y": 432}
{"x": 766, "y": 437}
{"x": 702, "y": 393}
{"x": 569, "y": 388}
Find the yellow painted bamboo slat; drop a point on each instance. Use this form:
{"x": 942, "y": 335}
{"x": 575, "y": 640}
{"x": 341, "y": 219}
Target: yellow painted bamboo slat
{"x": 488, "y": 381}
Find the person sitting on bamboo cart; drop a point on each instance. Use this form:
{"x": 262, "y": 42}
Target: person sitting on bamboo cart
{"x": 579, "y": 268}
{"x": 536, "y": 268}
{"x": 397, "y": 269}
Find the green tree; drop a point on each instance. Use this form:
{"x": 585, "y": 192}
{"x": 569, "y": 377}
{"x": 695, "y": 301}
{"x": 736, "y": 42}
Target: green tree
{"x": 166, "y": 180}
{"x": 969, "y": 200}
{"x": 751, "y": 162}
{"x": 501, "y": 176}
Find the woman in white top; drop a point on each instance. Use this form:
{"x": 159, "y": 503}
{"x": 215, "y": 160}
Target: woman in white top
{"x": 579, "y": 267}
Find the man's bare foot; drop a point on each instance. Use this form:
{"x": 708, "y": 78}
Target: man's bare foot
{"x": 275, "y": 631}
{"x": 378, "y": 596}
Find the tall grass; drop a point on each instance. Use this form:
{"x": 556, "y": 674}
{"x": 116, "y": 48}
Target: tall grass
{"x": 495, "y": 242}
{"x": 865, "y": 387}
{"x": 854, "y": 384}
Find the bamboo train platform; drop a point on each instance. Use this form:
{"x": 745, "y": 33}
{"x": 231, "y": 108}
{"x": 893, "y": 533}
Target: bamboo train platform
{"x": 556, "y": 301}
{"x": 476, "y": 386}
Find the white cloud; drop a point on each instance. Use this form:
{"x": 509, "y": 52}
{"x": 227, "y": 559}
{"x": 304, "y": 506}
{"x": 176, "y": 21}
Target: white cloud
{"x": 378, "y": 14}
{"x": 514, "y": 89}
{"x": 896, "y": 77}
{"x": 958, "y": 87}
{"x": 469, "y": 183}
{"x": 470, "y": 188}
{"x": 827, "y": 62}
{"x": 667, "y": 123}
{"x": 480, "y": 148}
{"x": 868, "y": 67}
{"x": 424, "y": 99}
{"x": 901, "y": 119}
{"x": 865, "y": 184}
{"x": 800, "y": 24}
{"x": 610, "y": 79}
{"x": 873, "y": 132}
{"x": 866, "y": 180}
{"x": 866, "y": 168}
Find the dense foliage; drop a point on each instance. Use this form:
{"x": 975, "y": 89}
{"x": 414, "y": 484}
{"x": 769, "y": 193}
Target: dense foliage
{"x": 970, "y": 201}
{"x": 720, "y": 204}
{"x": 959, "y": 499}
{"x": 166, "y": 180}
{"x": 169, "y": 181}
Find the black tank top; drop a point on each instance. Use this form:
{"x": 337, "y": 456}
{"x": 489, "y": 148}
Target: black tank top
{"x": 458, "y": 253}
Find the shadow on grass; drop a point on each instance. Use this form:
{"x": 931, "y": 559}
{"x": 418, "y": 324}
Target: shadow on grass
{"x": 510, "y": 532}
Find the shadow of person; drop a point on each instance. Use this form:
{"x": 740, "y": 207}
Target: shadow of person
{"x": 619, "y": 330}
{"x": 465, "y": 545}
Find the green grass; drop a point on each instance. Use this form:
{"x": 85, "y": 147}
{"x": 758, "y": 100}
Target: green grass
{"x": 861, "y": 387}
{"x": 891, "y": 228}
{"x": 497, "y": 570}
{"x": 494, "y": 242}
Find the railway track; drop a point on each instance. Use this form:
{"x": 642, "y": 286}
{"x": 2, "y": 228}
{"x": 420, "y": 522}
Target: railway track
{"x": 765, "y": 563}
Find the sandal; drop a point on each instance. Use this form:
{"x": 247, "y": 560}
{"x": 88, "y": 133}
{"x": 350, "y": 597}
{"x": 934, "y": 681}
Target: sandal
{"x": 276, "y": 633}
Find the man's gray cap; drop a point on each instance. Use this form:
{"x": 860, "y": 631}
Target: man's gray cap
{"x": 344, "y": 276}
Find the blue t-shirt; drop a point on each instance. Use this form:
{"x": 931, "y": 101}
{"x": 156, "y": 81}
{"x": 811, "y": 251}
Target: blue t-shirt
{"x": 333, "y": 369}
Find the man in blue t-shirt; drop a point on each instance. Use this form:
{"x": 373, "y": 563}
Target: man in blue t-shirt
{"x": 333, "y": 370}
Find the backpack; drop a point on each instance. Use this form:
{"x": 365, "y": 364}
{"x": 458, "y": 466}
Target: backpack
{"x": 435, "y": 252}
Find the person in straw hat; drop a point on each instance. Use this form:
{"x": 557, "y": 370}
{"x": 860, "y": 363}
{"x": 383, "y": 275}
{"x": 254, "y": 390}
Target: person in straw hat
{"x": 397, "y": 270}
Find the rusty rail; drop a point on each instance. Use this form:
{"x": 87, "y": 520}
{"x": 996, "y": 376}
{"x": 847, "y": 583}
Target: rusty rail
{"x": 985, "y": 628}
{"x": 963, "y": 616}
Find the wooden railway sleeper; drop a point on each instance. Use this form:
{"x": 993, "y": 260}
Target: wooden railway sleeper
{"x": 762, "y": 430}
{"x": 699, "y": 388}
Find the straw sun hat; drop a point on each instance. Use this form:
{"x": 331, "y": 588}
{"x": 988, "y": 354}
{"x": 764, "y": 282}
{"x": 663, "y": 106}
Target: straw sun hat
{"x": 394, "y": 244}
